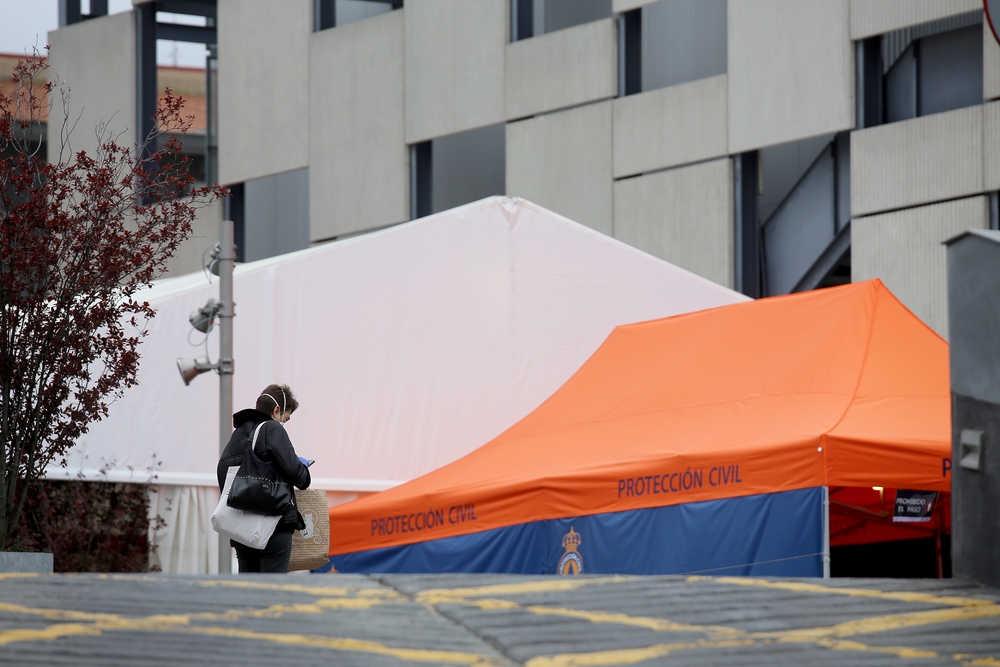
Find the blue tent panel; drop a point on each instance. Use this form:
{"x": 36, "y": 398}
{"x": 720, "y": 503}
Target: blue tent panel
{"x": 769, "y": 534}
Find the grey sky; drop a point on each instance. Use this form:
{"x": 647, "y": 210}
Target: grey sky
{"x": 23, "y": 23}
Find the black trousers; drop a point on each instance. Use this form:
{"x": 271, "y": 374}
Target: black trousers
{"x": 272, "y": 558}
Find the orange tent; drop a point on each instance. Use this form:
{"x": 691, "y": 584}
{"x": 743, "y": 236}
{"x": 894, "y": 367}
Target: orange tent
{"x": 723, "y": 421}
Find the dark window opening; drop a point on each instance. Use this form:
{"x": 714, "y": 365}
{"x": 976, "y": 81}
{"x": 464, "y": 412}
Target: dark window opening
{"x": 793, "y": 216}
{"x": 746, "y": 217}
{"x": 331, "y": 13}
{"x": 531, "y": 18}
{"x": 922, "y": 70}
{"x": 74, "y": 11}
{"x": 805, "y": 204}
{"x": 191, "y": 21}
{"x": 669, "y": 43}
{"x": 457, "y": 169}
{"x": 630, "y": 53}
{"x": 276, "y": 214}
{"x": 234, "y": 207}
{"x": 421, "y": 203}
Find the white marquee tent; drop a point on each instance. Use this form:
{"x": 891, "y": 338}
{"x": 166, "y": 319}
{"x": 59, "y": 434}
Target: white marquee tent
{"x": 407, "y": 348}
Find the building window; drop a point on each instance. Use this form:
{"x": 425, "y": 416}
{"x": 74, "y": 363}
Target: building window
{"x": 921, "y": 70}
{"x": 457, "y": 169}
{"x": 331, "y": 13}
{"x": 271, "y": 215}
{"x": 805, "y": 211}
{"x": 672, "y": 42}
{"x": 531, "y": 18}
{"x": 793, "y": 216}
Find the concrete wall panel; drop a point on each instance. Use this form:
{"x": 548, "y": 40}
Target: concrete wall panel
{"x": 991, "y": 146}
{"x": 204, "y": 230}
{"x": 96, "y": 60}
{"x": 358, "y": 161}
{"x": 562, "y": 69}
{"x": 454, "y": 65}
{"x": 904, "y": 249}
{"x": 683, "y": 215}
{"x": 974, "y": 317}
{"x": 619, "y": 6}
{"x": 562, "y": 161}
{"x": 263, "y": 87}
{"x": 875, "y": 17}
{"x": 670, "y": 126}
{"x": 917, "y": 161}
{"x": 991, "y": 63}
{"x": 791, "y": 71}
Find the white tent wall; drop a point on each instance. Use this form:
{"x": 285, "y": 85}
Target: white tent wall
{"x": 407, "y": 349}
{"x": 186, "y": 543}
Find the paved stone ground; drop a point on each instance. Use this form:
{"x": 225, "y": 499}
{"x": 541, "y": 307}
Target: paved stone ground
{"x": 492, "y": 620}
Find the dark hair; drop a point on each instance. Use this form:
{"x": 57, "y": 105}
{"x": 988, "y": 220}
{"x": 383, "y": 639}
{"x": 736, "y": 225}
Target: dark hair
{"x": 277, "y": 395}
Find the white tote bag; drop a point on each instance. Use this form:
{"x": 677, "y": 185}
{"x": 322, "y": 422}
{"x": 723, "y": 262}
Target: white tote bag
{"x": 253, "y": 530}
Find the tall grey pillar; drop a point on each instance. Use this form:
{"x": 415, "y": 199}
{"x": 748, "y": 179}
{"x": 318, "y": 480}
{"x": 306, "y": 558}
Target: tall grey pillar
{"x": 227, "y": 258}
{"x": 974, "y": 332}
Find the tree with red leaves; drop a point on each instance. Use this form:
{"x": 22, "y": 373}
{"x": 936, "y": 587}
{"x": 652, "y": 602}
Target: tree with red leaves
{"x": 79, "y": 238}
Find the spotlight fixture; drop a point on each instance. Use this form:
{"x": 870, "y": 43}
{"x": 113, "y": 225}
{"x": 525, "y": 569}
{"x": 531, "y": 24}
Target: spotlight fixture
{"x": 192, "y": 368}
{"x": 213, "y": 263}
{"x": 204, "y": 318}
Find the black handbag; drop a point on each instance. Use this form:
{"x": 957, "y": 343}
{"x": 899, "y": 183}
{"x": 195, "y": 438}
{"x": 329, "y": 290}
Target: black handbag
{"x": 258, "y": 487}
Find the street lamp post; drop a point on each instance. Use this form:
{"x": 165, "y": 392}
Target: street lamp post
{"x": 203, "y": 320}
{"x": 227, "y": 259}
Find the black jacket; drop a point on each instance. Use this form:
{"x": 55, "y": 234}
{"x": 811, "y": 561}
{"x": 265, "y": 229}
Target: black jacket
{"x": 272, "y": 445}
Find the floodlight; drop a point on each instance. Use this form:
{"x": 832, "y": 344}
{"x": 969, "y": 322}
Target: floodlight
{"x": 192, "y": 368}
{"x": 203, "y": 318}
{"x": 213, "y": 264}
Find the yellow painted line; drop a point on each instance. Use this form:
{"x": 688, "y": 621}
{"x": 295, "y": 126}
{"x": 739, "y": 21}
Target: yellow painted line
{"x": 139, "y": 577}
{"x": 874, "y": 624}
{"x": 626, "y": 656}
{"x": 309, "y": 590}
{"x": 182, "y": 623}
{"x": 439, "y": 595}
{"x": 55, "y": 614}
{"x": 802, "y": 587}
{"x": 340, "y": 644}
{"x": 47, "y": 634}
{"x": 657, "y": 624}
{"x": 967, "y": 659}
{"x": 636, "y": 655}
{"x": 273, "y": 611}
{"x": 277, "y": 610}
{"x": 647, "y": 622}
{"x": 19, "y": 575}
{"x": 179, "y": 624}
{"x": 898, "y": 651}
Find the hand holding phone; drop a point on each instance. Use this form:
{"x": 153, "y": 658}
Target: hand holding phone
{"x": 306, "y": 462}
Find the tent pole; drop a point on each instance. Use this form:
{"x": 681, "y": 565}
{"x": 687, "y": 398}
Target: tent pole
{"x": 826, "y": 532}
{"x": 937, "y": 552}
{"x": 938, "y": 529}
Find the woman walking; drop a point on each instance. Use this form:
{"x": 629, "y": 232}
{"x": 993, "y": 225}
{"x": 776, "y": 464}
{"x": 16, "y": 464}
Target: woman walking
{"x": 274, "y": 408}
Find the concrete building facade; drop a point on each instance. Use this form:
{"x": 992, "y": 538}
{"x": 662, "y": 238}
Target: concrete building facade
{"x": 769, "y": 145}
